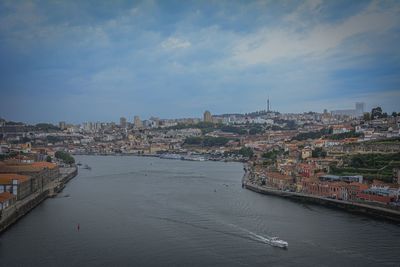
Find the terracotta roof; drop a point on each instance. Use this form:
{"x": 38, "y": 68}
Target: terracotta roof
{"x": 44, "y": 164}
{"x": 5, "y": 196}
{"x": 277, "y": 175}
{"x": 6, "y": 178}
{"x": 26, "y": 167}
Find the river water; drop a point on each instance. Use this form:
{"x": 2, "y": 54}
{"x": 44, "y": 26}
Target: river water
{"x": 136, "y": 211}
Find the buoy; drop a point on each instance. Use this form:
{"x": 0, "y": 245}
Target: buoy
{"x": 78, "y": 227}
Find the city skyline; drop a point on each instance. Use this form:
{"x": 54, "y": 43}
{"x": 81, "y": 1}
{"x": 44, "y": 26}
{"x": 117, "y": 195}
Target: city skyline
{"x": 76, "y": 62}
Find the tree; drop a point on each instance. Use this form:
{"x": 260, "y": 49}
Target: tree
{"x": 367, "y": 116}
{"x": 376, "y": 113}
{"x": 318, "y": 152}
{"x": 394, "y": 114}
{"x": 65, "y": 156}
{"x": 246, "y": 152}
{"x": 48, "y": 159}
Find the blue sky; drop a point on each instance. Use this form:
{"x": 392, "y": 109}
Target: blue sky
{"x": 99, "y": 60}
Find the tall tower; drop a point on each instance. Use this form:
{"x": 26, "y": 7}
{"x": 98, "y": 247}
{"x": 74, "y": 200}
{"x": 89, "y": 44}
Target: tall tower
{"x": 360, "y": 107}
{"x": 137, "y": 122}
{"x": 122, "y": 122}
{"x": 268, "y": 107}
{"x": 207, "y": 117}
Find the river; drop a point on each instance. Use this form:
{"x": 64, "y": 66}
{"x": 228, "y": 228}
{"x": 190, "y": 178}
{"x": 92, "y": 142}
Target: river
{"x": 137, "y": 211}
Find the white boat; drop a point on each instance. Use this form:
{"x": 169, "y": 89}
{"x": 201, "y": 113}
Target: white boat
{"x": 275, "y": 241}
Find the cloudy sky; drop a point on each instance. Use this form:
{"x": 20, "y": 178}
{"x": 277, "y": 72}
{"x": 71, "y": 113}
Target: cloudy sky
{"x": 96, "y": 61}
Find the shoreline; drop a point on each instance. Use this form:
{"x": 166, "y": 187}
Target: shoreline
{"x": 19, "y": 210}
{"x": 153, "y": 156}
{"x": 347, "y": 206}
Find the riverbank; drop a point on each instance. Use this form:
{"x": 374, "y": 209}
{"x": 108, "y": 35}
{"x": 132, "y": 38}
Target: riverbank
{"x": 12, "y": 214}
{"x": 353, "y": 207}
{"x": 205, "y": 156}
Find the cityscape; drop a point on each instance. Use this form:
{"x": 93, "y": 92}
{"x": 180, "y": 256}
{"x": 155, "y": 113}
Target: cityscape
{"x": 209, "y": 133}
{"x": 325, "y": 154}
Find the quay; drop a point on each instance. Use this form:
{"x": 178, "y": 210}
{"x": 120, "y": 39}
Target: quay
{"x": 11, "y": 215}
{"x": 353, "y": 207}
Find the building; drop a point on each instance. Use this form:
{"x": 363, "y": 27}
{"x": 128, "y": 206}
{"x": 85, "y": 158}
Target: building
{"x": 360, "y": 109}
{"x": 207, "y": 116}
{"x": 345, "y": 178}
{"x": 122, "y": 122}
{"x": 16, "y": 184}
{"x": 278, "y": 180}
{"x": 62, "y": 125}
{"x": 6, "y": 200}
{"x": 137, "y": 122}
{"x": 306, "y": 153}
{"x": 376, "y": 194}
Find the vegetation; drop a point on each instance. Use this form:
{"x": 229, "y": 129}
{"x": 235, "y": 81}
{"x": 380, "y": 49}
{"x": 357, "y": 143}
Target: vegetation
{"x": 246, "y": 152}
{"x": 326, "y": 133}
{"x": 207, "y": 141}
{"x": 65, "y": 156}
{"x": 48, "y": 159}
{"x": 313, "y": 135}
{"x": 367, "y": 116}
{"x": 272, "y": 155}
{"x": 371, "y": 166}
{"x": 46, "y": 127}
{"x": 233, "y": 129}
{"x": 53, "y": 139}
{"x": 9, "y": 155}
{"x": 318, "y": 152}
{"x": 341, "y": 136}
{"x": 256, "y": 129}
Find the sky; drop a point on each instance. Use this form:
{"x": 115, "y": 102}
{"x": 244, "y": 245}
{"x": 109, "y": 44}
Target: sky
{"x": 98, "y": 60}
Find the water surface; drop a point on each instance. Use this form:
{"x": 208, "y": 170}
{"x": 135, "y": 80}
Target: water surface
{"x": 135, "y": 211}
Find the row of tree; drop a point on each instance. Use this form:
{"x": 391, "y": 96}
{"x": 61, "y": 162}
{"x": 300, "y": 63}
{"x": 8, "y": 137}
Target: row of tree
{"x": 377, "y": 113}
{"x": 207, "y": 141}
{"x": 65, "y": 157}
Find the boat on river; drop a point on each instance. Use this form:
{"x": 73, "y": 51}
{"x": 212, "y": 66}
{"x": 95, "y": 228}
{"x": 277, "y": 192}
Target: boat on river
{"x": 276, "y": 242}
{"x": 87, "y": 167}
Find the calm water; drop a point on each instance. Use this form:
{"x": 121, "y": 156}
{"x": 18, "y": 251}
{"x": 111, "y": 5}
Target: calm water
{"x": 154, "y": 212}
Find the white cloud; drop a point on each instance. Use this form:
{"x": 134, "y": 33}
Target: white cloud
{"x": 272, "y": 43}
{"x": 175, "y": 43}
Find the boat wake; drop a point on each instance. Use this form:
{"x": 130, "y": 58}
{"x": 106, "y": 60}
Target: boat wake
{"x": 273, "y": 241}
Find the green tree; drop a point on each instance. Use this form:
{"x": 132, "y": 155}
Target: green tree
{"x": 376, "y": 113}
{"x": 65, "y": 156}
{"x": 318, "y": 152}
{"x": 246, "y": 152}
{"x": 367, "y": 116}
{"x": 48, "y": 159}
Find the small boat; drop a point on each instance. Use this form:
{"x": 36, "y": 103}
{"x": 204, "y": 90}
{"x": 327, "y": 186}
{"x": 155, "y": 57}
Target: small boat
{"x": 275, "y": 241}
{"x": 87, "y": 167}
{"x": 79, "y": 164}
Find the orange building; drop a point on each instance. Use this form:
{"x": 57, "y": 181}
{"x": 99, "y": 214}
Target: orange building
{"x": 18, "y": 185}
{"x": 6, "y": 200}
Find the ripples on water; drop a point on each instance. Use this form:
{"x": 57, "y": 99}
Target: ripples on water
{"x": 152, "y": 212}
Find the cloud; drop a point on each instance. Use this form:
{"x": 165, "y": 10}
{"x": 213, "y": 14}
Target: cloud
{"x": 152, "y": 58}
{"x": 172, "y": 43}
{"x": 270, "y": 44}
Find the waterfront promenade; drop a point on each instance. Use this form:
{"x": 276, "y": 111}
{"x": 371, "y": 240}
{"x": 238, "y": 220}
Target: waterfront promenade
{"x": 354, "y": 207}
{"x": 22, "y": 207}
